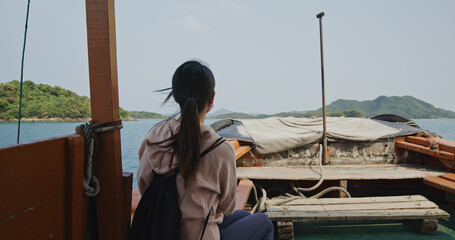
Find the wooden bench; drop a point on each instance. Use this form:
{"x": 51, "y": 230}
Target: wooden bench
{"x": 413, "y": 207}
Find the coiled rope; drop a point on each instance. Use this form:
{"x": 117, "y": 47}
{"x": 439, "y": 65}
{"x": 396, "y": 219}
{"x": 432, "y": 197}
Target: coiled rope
{"x": 262, "y": 202}
{"x": 91, "y": 183}
{"x": 22, "y": 73}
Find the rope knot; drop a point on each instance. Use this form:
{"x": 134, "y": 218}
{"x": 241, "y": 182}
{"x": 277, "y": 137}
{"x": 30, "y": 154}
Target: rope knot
{"x": 87, "y": 131}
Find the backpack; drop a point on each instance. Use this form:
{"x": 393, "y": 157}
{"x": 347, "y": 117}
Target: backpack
{"x": 158, "y": 214}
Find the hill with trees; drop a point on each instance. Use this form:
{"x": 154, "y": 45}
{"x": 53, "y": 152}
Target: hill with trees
{"x": 42, "y": 101}
{"x": 145, "y": 115}
{"x": 406, "y": 106}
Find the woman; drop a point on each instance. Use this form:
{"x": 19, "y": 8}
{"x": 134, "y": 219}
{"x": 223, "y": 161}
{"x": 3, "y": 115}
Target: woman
{"x": 206, "y": 185}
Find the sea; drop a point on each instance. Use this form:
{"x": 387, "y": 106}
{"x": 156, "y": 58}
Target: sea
{"x": 134, "y": 132}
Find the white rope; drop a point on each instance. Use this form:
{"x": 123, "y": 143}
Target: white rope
{"x": 262, "y": 202}
{"x": 322, "y": 174}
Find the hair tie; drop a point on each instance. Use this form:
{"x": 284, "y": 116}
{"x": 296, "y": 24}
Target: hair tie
{"x": 189, "y": 98}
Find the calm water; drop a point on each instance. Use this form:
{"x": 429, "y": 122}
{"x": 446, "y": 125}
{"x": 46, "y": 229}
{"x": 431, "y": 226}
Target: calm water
{"x": 133, "y": 133}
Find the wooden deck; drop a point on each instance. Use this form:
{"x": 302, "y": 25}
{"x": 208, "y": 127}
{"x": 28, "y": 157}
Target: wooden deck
{"x": 397, "y": 208}
{"x": 345, "y": 172}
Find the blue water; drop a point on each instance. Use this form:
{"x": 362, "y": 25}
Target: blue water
{"x": 133, "y": 133}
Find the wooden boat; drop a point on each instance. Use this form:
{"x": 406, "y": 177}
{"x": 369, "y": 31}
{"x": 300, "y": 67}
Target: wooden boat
{"x": 388, "y": 177}
{"x": 41, "y": 182}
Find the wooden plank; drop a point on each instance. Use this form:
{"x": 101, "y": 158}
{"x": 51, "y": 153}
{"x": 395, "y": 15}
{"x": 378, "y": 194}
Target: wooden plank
{"x": 448, "y": 146}
{"x": 448, "y": 176}
{"x": 310, "y": 216}
{"x": 44, "y": 220}
{"x": 419, "y": 148}
{"x": 31, "y": 173}
{"x": 356, "y": 207}
{"x": 101, "y": 44}
{"x": 356, "y": 200}
{"x": 74, "y": 189}
{"x": 240, "y": 151}
{"x": 243, "y": 193}
{"x": 337, "y": 172}
{"x": 127, "y": 188}
{"x": 234, "y": 143}
{"x": 136, "y": 197}
{"x": 440, "y": 183}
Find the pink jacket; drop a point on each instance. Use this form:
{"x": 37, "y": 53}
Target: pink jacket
{"x": 214, "y": 186}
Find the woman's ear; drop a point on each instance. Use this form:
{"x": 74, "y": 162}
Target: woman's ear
{"x": 213, "y": 98}
{"x": 210, "y": 103}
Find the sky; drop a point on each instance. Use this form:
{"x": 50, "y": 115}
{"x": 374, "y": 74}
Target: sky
{"x": 265, "y": 54}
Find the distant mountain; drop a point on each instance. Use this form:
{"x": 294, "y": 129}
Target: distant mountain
{"x": 219, "y": 112}
{"x": 145, "y": 115}
{"x": 406, "y": 106}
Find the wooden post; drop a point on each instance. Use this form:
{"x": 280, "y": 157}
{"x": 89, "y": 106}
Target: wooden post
{"x": 343, "y": 184}
{"x": 105, "y": 107}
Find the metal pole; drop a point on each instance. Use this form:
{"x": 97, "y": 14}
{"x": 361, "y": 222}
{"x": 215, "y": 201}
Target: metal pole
{"x": 324, "y": 128}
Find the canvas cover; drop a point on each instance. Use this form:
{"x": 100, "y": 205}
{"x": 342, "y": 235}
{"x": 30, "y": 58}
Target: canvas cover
{"x": 278, "y": 134}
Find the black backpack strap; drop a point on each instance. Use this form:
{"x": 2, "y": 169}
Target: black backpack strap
{"x": 213, "y": 146}
{"x": 205, "y": 224}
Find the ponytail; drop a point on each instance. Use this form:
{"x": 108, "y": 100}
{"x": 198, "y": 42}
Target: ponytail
{"x": 188, "y": 140}
{"x": 193, "y": 86}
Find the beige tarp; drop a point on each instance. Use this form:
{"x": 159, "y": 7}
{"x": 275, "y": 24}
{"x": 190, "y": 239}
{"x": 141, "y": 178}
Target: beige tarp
{"x": 279, "y": 134}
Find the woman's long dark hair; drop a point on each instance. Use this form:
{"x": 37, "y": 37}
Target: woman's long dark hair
{"x": 193, "y": 87}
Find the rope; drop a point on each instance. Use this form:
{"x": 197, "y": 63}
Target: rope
{"x": 262, "y": 202}
{"x": 91, "y": 183}
{"x": 433, "y": 143}
{"x": 320, "y": 179}
{"x": 22, "y": 73}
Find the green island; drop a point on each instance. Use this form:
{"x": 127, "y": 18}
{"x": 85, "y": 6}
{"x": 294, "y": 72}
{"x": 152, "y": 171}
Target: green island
{"x": 145, "y": 115}
{"x": 45, "y": 102}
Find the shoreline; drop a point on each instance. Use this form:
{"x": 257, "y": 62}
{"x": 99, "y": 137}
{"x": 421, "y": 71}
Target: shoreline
{"x": 55, "y": 120}
{"x": 127, "y": 119}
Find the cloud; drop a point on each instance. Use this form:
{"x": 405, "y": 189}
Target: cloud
{"x": 192, "y": 24}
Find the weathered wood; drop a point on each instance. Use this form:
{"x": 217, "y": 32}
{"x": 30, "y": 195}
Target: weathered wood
{"x": 285, "y": 230}
{"x": 356, "y": 207}
{"x": 426, "y": 226}
{"x": 102, "y": 55}
{"x": 343, "y": 172}
{"x": 74, "y": 193}
{"x": 314, "y": 216}
{"x": 45, "y": 220}
{"x": 243, "y": 193}
{"x": 31, "y": 173}
{"x": 356, "y": 200}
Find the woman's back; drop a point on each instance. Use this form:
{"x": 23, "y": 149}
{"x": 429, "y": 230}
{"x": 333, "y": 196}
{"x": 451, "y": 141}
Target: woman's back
{"x": 213, "y": 186}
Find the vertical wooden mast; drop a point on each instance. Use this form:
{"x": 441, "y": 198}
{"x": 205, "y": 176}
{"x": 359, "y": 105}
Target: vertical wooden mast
{"x": 105, "y": 107}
